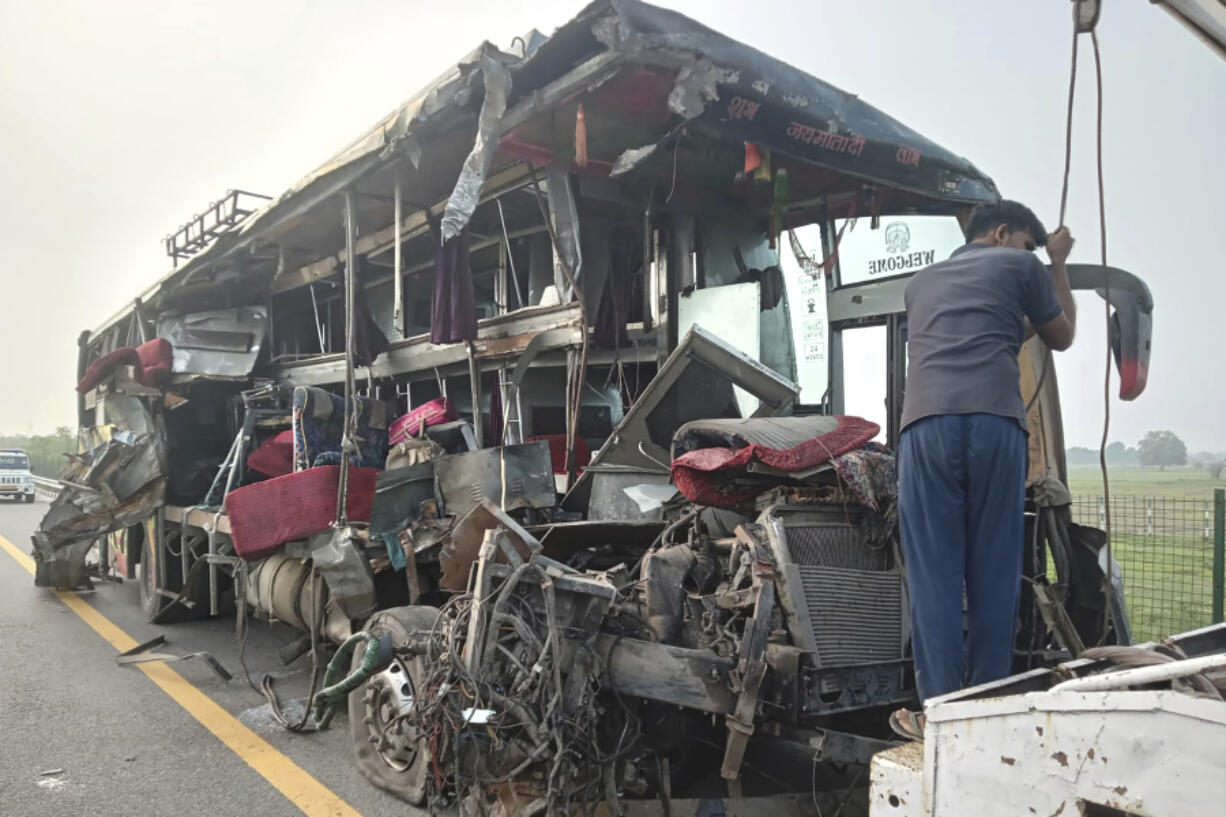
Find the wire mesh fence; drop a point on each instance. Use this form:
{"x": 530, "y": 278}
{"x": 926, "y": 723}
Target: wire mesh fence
{"x": 1165, "y": 548}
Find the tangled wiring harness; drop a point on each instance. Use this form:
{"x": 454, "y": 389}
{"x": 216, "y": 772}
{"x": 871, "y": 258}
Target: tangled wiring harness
{"x": 511, "y": 707}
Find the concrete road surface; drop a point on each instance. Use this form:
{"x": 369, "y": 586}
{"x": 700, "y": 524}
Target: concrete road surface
{"x": 81, "y": 735}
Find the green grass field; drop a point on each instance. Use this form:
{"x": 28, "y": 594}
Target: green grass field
{"x": 1191, "y": 483}
{"x": 1159, "y": 539}
{"x": 1168, "y": 583}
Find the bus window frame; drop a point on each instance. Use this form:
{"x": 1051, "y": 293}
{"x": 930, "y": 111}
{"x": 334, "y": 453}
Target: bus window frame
{"x": 895, "y": 368}
{"x": 869, "y": 303}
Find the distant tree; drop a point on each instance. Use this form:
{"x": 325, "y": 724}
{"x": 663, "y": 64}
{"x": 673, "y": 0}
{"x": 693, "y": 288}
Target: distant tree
{"x": 46, "y": 451}
{"x": 1215, "y": 466}
{"x": 1162, "y": 448}
{"x": 1117, "y": 454}
{"x": 1080, "y": 456}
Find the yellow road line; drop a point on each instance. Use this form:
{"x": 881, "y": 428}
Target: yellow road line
{"x": 308, "y": 794}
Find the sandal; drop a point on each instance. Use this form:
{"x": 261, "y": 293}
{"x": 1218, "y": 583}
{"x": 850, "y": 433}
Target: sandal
{"x": 908, "y": 724}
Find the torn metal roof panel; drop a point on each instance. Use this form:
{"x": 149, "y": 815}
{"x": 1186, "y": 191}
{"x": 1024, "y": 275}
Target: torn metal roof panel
{"x": 760, "y": 99}
{"x": 671, "y": 69}
{"x": 443, "y": 103}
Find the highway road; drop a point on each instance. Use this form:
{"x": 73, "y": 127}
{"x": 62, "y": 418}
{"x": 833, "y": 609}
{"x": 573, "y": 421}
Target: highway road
{"x": 80, "y": 734}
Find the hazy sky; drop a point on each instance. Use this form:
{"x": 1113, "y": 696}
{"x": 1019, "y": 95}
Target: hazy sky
{"x": 122, "y": 119}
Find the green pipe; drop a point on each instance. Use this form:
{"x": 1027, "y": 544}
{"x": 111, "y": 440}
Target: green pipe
{"x": 333, "y": 695}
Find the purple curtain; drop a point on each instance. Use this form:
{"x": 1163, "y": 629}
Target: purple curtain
{"x": 368, "y": 339}
{"x": 454, "y": 317}
{"x": 494, "y": 416}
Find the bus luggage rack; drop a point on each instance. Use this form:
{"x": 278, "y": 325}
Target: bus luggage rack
{"x": 219, "y": 217}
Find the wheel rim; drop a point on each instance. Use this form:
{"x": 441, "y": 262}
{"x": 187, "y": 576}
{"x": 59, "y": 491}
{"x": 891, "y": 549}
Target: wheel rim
{"x": 389, "y": 694}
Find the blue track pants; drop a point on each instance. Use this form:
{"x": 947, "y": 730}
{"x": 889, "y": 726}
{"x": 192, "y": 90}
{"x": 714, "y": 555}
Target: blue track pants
{"x": 961, "y": 502}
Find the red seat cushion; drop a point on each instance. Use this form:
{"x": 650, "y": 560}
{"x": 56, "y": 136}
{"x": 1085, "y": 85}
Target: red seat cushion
{"x": 275, "y": 456}
{"x": 266, "y": 515}
{"x": 151, "y": 362}
{"x": 708, "y": 476}
{"x": 156, "y": 358}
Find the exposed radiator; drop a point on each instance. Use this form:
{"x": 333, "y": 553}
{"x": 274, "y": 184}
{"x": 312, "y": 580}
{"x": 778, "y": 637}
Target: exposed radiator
{"x": 831, "y": 544}
{"x": 842, "y": 597}
{"x": 856, "y": 615}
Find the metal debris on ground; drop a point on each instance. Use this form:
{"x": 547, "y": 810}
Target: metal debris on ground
{"x": 138, "y": 655}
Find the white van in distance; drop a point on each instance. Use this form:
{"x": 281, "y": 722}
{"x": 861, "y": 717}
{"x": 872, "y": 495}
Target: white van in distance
{"x": 15, "y": 477}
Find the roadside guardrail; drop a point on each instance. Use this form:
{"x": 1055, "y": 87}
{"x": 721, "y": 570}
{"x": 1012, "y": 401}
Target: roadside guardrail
{"x": 46, "y": 488}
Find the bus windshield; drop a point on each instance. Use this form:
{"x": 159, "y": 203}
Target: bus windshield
{"x": 901, "y": 245}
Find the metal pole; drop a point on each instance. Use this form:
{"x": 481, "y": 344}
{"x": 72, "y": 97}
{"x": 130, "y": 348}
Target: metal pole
{"x": 140, "y": 323}
{"x": 158, "y": 549}
{"x": 397, "y": 281}
{"x": 342, "y": 493}
{"x": 1219, "y": 552}
{"x": 648, "y": 251}
{"x": 319, "y": 326}
{"x": 506, "y": 237}
{"x": 474, "y": 382}
{"x": 1138, "y": 676}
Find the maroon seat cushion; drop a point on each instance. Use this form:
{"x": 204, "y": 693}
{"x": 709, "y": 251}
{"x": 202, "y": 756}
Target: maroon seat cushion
{"x": 156, "y": 359}
{"x": 151, "y": 363}
{"x": 708, "y": 475}
{"x": 265, "y": 515}
{"x": 275, "y": 456}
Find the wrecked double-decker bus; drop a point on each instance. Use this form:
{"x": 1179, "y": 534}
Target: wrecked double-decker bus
{"x": 562, "y": 402}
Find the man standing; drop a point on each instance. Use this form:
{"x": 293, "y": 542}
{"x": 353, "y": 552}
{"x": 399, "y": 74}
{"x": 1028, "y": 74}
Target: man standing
{"x": 962, "y": 458}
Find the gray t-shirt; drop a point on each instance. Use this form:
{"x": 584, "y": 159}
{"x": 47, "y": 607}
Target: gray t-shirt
{"x": 965, "y": 325}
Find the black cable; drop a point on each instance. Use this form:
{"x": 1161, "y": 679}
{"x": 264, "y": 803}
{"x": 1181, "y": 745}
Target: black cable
{"x": 1108, "y": 584}
{"x": 1068, "y": 163}
{"x": 267, "y": 683}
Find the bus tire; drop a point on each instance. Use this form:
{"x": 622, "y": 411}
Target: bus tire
{"x": 161, "y": 609}
{"x": 401, "y": 768}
